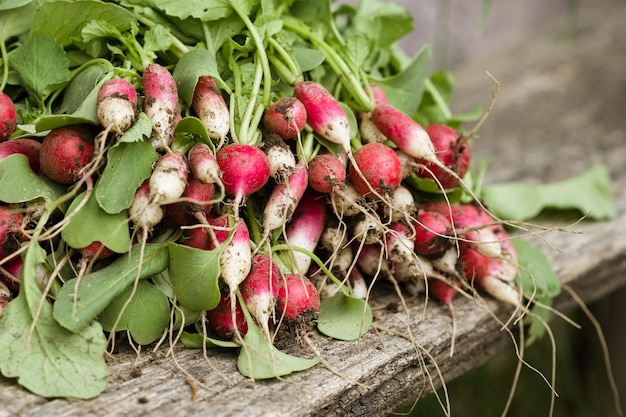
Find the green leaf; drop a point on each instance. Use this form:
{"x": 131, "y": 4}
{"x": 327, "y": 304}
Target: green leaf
{"x": 50, "y": 361}
{"x": 194, "y": 275}
{"x": 16, "y": 18}
{"x": 190, "y": 67}
{"x": 92, "y": 224}
{"x": 535, "y": 276}
{"x": 404, "y": 89}
{"x": 344, "y": 317}
{"x": 82, "y": 84}
{"x": 146, "y": 316}
{"x": 192, "y": 126}
{"x": 80, "y": 301}
{"x": 385, "y": 23}
{"x": 64, "y": 20}
{"x": 196, "y": 341}
{"x": 259, "y": 359}
{"x": 128, "y": 165}
{"x": 536, "y": 322}
{"x": 41, "y": 64}
{"x": 158, "y": 38}
{"x": 308, "y": 58}
{"x": 205, "y": 10}
{"x": 590, "y": 193}
{"x": 19, "y": 184}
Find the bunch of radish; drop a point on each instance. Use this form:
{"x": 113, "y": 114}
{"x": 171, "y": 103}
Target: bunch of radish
{"x": 291, "y": 186}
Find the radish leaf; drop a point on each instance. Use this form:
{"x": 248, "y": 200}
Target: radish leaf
{"x": 91, "y": 224}
{"x": 259, "y": 359}
{"x": 50, "y": 361}
{"x": 18, "y": 182}
{"x": 344, "y": 317}
{"x": 194, "y": 275}
{"x": 195, "y": 341}
{"x": 146, "y": 316}
{"x": 190, "y": 67}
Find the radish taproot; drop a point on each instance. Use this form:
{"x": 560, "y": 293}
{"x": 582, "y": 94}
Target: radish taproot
{"x": 31, "y": 148}
{"x": 286, "y": 117}
{"x": 160, "y": 104}
{"x": 211, "y": 108}
{"x": 284, "y": 198}
{"x": 203, "y": 164}
{"x": 65, "y": 152}
{"x": 8, "y": 116}
{"x": 143, "y": 212}
{"x": 116, "y": 105}
{"x": 260, "y": 289}
{"x": 305, "y": 228}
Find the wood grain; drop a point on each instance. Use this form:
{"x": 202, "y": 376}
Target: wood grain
{"x": 561, "y": 108}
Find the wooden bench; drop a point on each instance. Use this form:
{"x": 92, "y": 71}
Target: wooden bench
{"x": 561, "y": 108}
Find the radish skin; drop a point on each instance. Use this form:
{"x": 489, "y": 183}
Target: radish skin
{"x": 31, "y": 148}
{"x": 281, "y": 160}
{"x": 380, "y": 170}
{"x": 203, "y": 164}
{"x": 260, "y": 289}
{"x": 169, "y": 178}
{"x": 284, "y": 199}
{"x": 211, "y": 108}
{"x": 8, "y": 116}
{"x": 286, "y": 117}
{"x": 144, "y": 213}
{"x": 326, "y": 173}
{"x": 160, "y": 105}
{"x": 116, "y": 105}
{"x": 65, "y": 152}
{"x": 305, "y": 228}
{"x": 298, "y": 298}
{"x": 11, "y": 234}
{"x": 220, "y": 319}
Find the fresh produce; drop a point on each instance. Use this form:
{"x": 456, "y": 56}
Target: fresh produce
{"x": 189, "y": 159}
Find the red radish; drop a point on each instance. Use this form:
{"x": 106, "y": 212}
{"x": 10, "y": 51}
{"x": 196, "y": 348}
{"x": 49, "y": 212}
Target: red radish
{"x": 260, "y": 289}
{"x": 432, "y": 232}
{"x": 8, "y": 116}
{"x": 452, "y": 149}
{"x": 211, "y": 108}
{"x": 94, "y": 251}
{"x": 441, "y": 290}
{"x": 380, "y": 168}
{"x": 284, "y": 198}
{"x": 220, "y": 320}
{"x": 143, "y": 212}
{"x": 279, "y": 157}
{"x": 326, "y": 173}
{"x": 160, "y": 104}
{"x": 492, "y": 275}
{"x": 196, "y": 237}
{"x": 203, "y": 164}
{"x": 65, "y": 152}
{"x": 117, "y": 105}
{"x": 298, "y": 299}
{"x": 305, "y": 228}
{"x": 10, "y": 272}
{"x": 169, "y": 178}
{"x": 31, "y": 148}
{"x": 408, "y": 135}
{"x": 286, "y": 117}
{"x": 196, "y": 200}
{"x": 324, "y": 113}
{"x": 245, "y": 170}
{"x": 11, "y": 233}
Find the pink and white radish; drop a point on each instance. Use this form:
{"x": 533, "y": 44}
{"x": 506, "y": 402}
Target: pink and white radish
{"x": 452, "y": 149}
{"x": 298, "y": 299}
{"x": 368, "y": 130}
{"x": 194, "y": 204}
{"x": 220, "y": 319}
{"x": 432, "y": 232}
{"x": 281, "y": 160}
{"x": 284, "y": 199}
{"x": 30, "y": 148}
{"x": 260, "y": 289}
{"x": 8, "y": 116}
{"x": 327, "y": 173}
{"x": 379, "y": 170}
{"x": 160, "y": 104}
{"x": 169, "y": 178}
{"x": 286, "y": 117}
{"x": 245, "y": 170}
{"x": 65, "y": 153}
{"x": 116, "y": 105}
{"x": 143, "y": 212}
{"x": 211, "y": 108}
{"x": 305, "y": 228}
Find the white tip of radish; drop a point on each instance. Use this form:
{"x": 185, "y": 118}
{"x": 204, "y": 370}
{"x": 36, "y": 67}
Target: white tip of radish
{"x": 116, "y": 113}
{"x": 501, "y": 290}
{"x": 447, "y": 262}
{"x": 169, "y": 178}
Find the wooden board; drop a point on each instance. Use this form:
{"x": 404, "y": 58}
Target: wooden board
{"x": 560, "y": 109}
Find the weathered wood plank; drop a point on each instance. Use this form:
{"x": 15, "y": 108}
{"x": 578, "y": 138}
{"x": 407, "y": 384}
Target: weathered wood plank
{"x": 560, "y": 109}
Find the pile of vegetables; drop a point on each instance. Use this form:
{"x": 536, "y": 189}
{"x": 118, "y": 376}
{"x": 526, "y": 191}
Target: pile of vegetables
{"x": 237, "y": 169}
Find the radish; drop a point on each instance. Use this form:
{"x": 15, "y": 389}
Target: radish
{"x": 341, "y": 262}
{"x": 281, "y": 160}
{"x": 203, "y": 164}
{"x": 402, "y": 205}
{"x": 31, "y": 148}
{"x": 143, "y": 211}
{"x": 324, "y": 113}
{"x": 380, "y": 168}
{"x": 298, "y": 299}
{"x": 10, "y": 272}
{"x": 333, "y": 238}
{"x": 245, "y": 170}
{"x": 367, "y": 128}
{"x": 492, "y": 275}
{"x": 358, "y": 285}
{"x": 408, "y": 135}
{"x": 326, "y": 173}
{"x": 8, "y": 116}
{"x": 196, "y": 237}
{"x": 367, "y": 229}
{"x": 65, "y": 152}
{"x": 160, "y": 104}
{"x": 211, "y": 108}
{"x": 94, "y": 251}
{"x": 399, "y": 245}
{"x": 371, "y": 261}
{"x": 11, "y": 231}
{"x": 432, "y": 230}
{"x": 116, "y": 106}
{"x": 347, "y": 201}
{"x": 452, "y": 149}
{"x": 305, "y": 228}
{"x": 220, "y": 320}
{"x": 196, "y": 200}
{"x": 260, "y": 289}
{"x": 169, "y": 178}
{"x": 286, "y": 117}
{"x": 283, "y": 200}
